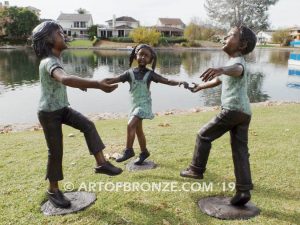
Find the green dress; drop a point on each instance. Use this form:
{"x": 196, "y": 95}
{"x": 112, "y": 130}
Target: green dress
{"x": 141, "y": 101}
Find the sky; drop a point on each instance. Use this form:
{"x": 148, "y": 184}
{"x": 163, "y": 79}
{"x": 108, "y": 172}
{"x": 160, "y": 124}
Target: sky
{"x": 284, "y": 14}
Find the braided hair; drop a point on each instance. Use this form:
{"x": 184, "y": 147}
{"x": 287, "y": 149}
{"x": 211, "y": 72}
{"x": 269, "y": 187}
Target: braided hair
{"x": 136, "y": 49}
{"x": 43, "y": 38}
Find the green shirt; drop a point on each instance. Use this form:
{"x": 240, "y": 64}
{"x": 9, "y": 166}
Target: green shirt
{"x": 53, "y": 93}
{"x": 234, "y": 89}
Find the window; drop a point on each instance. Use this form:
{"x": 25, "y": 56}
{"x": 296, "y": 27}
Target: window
{"x": 76, "y": 24}
{"x": 82, "y": 24}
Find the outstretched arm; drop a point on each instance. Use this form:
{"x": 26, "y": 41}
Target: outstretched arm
{"x": 235, "y": 70}
{"x": 77, "y": 82}
{"x": 114, "y": 80}
{"x": 209, "y": 84}
{"x": 163, "y": 80}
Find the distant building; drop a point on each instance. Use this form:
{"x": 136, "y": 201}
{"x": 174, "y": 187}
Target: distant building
{"x": 169, "y": 27}
{"x": 295, "y": 36}
{"x": 295, "y": 33}
{"x": 75, "y": 25}
{"x": 118, "y": 27}
{"x": 5, "y": 4}
{"x": 265, "y": 37}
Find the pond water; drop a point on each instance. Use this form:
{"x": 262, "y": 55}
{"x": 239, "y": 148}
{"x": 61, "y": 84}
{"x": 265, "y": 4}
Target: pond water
{"x": 270, "y": 79}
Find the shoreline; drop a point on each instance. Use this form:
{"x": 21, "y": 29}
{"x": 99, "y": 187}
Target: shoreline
{"x": 161, "y": 48}
{"x": 19, "y": 127}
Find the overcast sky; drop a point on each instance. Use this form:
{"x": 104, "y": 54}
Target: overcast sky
{"x": 284, "y": 14}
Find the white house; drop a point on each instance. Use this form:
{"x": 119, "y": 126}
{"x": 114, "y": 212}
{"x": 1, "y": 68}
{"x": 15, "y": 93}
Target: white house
{"x": 75, "y": 25}
{"x": 295, "y": 33}
{"x": 170, "y": 26}
{"x": 264, "y": 37}
{"x": 118, "y": 27}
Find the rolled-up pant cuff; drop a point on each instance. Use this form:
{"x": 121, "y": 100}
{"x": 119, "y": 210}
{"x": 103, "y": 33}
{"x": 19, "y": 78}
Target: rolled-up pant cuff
{"x": 244, "y": 187}
{"x": 197, "y": 169}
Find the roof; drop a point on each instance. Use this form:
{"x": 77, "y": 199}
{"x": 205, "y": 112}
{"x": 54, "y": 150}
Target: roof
{"x": 295, "y": 28}
{"x": 74, "y": 17}
{"x": 171, "y": 21}
{"x": 124, "y": 18}
{"x": 124, "y": 27}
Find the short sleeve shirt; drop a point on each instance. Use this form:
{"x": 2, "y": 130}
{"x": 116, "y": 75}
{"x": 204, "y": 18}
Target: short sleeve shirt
{"x": 53, "y": 93}
{"x": 234, "y": 89}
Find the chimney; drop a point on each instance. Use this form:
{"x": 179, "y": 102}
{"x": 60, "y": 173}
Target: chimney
{"x": 114, "y": 21}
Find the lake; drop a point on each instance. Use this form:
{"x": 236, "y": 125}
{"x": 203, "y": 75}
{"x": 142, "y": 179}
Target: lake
{"x": 270, "y": 79}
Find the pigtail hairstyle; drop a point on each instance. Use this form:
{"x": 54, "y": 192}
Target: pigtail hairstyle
{"x": 136, "y": 49}
{"x": 42, "y": 38}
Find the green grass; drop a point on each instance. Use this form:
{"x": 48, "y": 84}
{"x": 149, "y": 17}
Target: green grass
{"x": 81, "y": 43}
{"x": 274, "y": 141}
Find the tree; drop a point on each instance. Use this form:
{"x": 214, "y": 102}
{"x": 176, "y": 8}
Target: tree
{"x": 282, "y": 37}
{"x": 252, "y": 13}
{"x": 82, "y": 11}
{"x": 92, "y": 32}
{"x": 19, "y": 22}
{"x": 145, "y": 35}
{"x": 192, "y": 32}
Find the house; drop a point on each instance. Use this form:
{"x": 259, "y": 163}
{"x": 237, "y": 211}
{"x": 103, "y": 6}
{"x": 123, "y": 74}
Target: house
{"x": 75, "y": 25}
{"x": 118, "y": 27}
{"x": 264, "y": 37}
{"x": 5, "y": 4}
{"x": 295, "y": 36}
{"x": 169, "y": 27}
{"x": 295, "y": 33}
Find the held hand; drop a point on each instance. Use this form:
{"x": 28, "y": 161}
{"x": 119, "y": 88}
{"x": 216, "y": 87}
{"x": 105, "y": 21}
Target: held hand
{"x": 211, "y": 73}
{"x": 185, "y": 84}
{"x": 196, "y": 88}
{"x": 105, "y": 86}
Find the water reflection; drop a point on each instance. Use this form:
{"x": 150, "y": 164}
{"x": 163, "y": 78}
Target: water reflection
{"x": 18, "y": 67}
{"x": 279, "y": 58}
{"x": 117, "y": 61}
{"x": 268, "y": 79}
{"x": 294, "y": 78}
{"x": 79, "y": 62}
{"x": 255, "y": 84}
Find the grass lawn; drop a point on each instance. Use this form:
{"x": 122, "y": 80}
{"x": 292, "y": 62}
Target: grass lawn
{"x": 274, "y": 142}
{"x": 81, "y": 43}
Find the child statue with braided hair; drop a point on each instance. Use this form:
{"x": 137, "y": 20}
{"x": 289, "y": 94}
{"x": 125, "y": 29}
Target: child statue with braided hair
{"x": 139, "y": 79}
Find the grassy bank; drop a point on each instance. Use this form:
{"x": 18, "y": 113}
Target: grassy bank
{"x": 274, "y": 147}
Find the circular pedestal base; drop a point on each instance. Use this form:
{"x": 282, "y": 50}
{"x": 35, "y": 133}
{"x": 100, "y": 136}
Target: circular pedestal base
{"x": 79, "y": 201}
{"x": 147, "y": 165}
{"x": 221, "y": 208}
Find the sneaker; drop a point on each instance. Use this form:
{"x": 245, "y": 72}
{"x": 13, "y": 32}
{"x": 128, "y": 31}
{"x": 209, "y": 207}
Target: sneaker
{"x": 144, "y": 155}
{"x": 58, "y": 199}
{"x": 240, "y": 198}
{"x": 127, "y": 154}
{"x": 108, "y": 169}
{"x": 191, "y": 174}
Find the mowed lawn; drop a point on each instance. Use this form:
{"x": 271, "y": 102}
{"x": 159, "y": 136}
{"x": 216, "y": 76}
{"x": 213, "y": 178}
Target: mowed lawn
{"x": 274, "y": 143}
